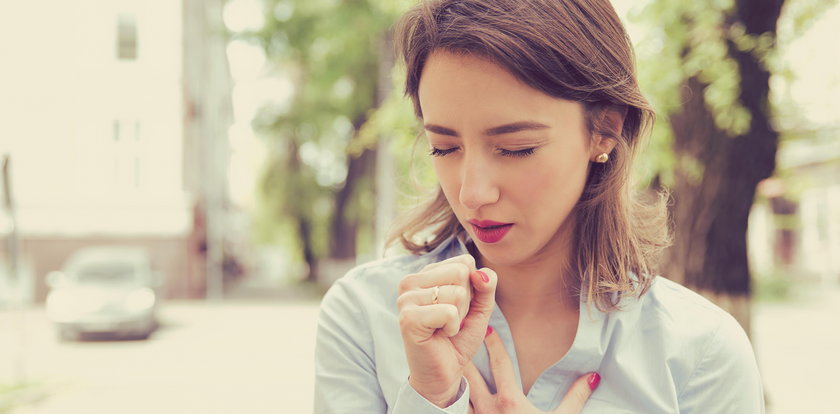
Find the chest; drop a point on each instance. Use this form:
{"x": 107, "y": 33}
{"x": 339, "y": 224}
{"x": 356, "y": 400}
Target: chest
{"x": 538, "y": 348}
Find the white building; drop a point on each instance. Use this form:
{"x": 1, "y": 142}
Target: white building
{"x": 96, "y": 116}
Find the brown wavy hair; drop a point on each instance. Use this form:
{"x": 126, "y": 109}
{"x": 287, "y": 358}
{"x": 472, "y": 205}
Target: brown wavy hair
{"x": 571, "y": 49}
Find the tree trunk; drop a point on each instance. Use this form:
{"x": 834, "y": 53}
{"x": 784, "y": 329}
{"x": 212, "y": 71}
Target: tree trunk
{"x": 344, "y": 225}
{"x": 717, "y": 176}
{"x": 303, "y": 219}
{"x": 305, "y": 232}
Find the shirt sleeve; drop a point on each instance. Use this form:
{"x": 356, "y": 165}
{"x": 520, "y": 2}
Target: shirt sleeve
{"x": 409, "y": 401}
{"x": 726, "y": 380}
{"x": 345, "y": 368}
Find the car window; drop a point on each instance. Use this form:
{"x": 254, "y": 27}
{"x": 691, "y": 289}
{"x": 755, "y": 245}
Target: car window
{"x": 97, "y": 273}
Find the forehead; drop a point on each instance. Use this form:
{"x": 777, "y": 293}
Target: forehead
{"x": 455, "y": 86}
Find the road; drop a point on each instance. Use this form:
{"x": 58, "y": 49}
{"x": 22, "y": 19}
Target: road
{"x": 246, "y": 357}
{"x": 226, "y": 358}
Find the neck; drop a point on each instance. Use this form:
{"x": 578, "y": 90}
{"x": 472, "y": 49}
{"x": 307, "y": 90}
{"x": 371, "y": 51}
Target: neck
{"x": 540, "y": 285}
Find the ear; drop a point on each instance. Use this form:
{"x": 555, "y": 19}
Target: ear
{"x": 609, "y": 126}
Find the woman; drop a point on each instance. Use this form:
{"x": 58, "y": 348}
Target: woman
{"x": 534, "y": 286}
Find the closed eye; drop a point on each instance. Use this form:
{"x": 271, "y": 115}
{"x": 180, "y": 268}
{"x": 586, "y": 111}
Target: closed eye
{"x": 518, "y": 153}
{"x": 438, "y": 152}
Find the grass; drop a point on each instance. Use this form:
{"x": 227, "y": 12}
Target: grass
{"x": 774, "y": 287}
{"x": 19, "y": 394}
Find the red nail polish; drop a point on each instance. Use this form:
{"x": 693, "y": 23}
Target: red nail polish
{"x": 593, "y": 381}
{"x": 489, "y": 331}
{"x": 484, "y": 277}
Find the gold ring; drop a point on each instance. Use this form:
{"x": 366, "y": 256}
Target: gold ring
{"x": 435, "y": 295}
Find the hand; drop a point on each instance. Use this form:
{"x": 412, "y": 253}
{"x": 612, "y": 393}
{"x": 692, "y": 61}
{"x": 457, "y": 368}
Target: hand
{"x": 509, "y": 398}
{"x": 441, "y": 334}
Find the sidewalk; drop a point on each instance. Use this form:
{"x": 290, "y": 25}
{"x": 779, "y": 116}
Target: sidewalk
{"x": 254, "y": 351}
{"x": 797, "y": 345}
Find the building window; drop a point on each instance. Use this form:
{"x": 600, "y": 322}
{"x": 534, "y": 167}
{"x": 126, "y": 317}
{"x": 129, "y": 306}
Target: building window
{"x": 126, "y": 37}
{"x": 128, "y": 154}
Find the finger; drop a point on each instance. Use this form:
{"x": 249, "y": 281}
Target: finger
{"x": 448, "y": 294}
{"x": 455, "y": 273}
{"x": 501, "y": 366}
{"x": 419, "y": 323}
{"x": 483, "y": 299}
{"x": 579, "y": 392}
{"x": 466, "y": 259}
{"x": 479, "y": 393}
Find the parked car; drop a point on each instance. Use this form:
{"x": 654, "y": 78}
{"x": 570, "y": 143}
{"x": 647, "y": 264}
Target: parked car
{"x": 107, "y": 289}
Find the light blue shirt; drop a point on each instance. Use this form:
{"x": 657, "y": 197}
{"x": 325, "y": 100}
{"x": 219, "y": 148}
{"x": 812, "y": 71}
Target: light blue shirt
{"x": 671, "y": 351}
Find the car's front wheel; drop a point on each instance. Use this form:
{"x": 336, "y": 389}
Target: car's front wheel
{"x": 68, "y": 335}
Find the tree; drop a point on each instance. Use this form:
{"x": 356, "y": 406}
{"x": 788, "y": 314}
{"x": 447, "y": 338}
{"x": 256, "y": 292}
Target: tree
{"x": 722, "y": 132}
{"x": 320, "y": 172}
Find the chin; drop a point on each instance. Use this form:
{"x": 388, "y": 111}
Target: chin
{"x": 499, "y": 254}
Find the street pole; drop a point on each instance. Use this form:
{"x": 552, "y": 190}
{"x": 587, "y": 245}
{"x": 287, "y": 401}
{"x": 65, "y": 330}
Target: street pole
{"x": 215, "y": 123}
{"x": 385, "y": 188}
{"x": 14, "y": 274}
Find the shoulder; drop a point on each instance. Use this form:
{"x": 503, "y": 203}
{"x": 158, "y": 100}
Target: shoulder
{"x": 694, "y": 318}
{"x": 693, "y": 321}
{"x": 711, "y": 353}
{"x": 685, "y": 327}
{"x": 667, "y": 296}
{"x": 680, "y": 311}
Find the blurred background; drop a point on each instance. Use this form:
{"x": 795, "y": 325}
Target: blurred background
{"x": 183, "y": 179}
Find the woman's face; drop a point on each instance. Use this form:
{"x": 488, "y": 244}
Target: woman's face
{"x": 512, "y": 161}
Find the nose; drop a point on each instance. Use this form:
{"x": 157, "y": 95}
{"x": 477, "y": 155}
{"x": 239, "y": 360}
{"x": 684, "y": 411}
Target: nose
{"x": 478, "y": 183}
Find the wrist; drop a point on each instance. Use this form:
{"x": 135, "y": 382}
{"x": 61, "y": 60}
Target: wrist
{"x": 441, "y": 397}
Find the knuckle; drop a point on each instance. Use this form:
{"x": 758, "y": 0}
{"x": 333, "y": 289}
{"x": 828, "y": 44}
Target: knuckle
{"x": 467, "y": 259}
{"x": 402, "y": 301}
{"x": 499, "y": 359}
{"x": 429, "y": 266}
{"x": 580, "y": 395}
{"x": 406, "y": 318}
{"x": 451, "y": 311}
{"x": 583, "y": 394}
{"x": 461, "y": 294}
{"x": 406, "y": 283}
{"x": 463, "y": 272}
{"x": 504, "y": 402}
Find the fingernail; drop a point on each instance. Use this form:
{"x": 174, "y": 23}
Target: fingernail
{"x": 484, "y": 277}
{"x": 593, "y": 381}
{"x": 489, "y": 331}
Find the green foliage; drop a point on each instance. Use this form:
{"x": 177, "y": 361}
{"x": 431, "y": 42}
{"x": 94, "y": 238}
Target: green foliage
{"x": 690, "y": 39}
{"x": 395, "y": 120}
{"x": 774, "y": 287}
{"x": 329, "y": 50}
{"x": 685, "y": 39}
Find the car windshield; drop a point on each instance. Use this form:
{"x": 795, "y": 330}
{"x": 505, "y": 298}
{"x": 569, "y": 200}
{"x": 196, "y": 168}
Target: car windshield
{"x": 94, "y": 273}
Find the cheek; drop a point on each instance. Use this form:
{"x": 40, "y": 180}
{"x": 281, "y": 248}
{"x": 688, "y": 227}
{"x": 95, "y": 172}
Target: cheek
{"x": 448, "y": 178}
{"x": 551, "y": 184}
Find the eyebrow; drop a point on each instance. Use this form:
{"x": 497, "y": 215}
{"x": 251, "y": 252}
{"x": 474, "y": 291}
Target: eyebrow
{"x": 498, "y": 130}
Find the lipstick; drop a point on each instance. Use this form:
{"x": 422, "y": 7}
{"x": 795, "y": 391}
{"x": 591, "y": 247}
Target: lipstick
{"x": 489, "y": 231}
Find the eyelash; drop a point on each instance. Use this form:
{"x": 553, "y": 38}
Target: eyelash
{"x": 437, "y": 152}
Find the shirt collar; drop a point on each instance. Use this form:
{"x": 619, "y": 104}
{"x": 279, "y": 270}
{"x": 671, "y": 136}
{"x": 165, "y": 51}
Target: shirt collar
{"x": 588, "y": 347}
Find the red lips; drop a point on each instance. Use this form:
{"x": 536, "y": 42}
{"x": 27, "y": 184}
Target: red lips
{"x": 489, "y": 231}
{"x": 486, "y": 223}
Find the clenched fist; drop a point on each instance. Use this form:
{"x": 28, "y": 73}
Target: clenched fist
{"x": 444, "y": 311}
